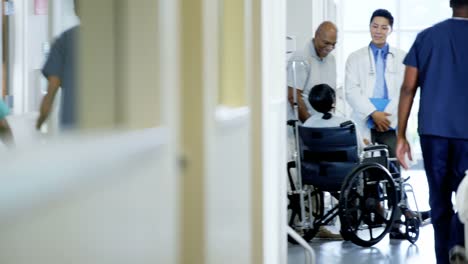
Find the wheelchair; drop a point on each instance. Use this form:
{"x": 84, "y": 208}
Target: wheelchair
{"x": 370, "y": 191}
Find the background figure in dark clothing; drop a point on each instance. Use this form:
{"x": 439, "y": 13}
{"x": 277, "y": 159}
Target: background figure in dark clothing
{"x": 437, "y": 63}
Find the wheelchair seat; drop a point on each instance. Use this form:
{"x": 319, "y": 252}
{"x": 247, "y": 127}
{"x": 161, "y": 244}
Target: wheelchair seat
{"x": 327, "y": 155}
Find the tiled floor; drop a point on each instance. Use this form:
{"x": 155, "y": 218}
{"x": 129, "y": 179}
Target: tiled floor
{"x": 386, "y": 251}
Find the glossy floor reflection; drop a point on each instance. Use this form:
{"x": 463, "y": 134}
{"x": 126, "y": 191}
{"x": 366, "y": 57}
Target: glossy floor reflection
{"x": 385, "y": 252}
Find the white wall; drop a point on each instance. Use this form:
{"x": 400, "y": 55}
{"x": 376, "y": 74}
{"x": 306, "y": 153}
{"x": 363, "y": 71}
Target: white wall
{"x": 299, "y": 21}
{"x": 304, "y": 16}
{"x": 61, "y": 17}
{"x": 228, "y": 191}
{"x": 274, "y": 134}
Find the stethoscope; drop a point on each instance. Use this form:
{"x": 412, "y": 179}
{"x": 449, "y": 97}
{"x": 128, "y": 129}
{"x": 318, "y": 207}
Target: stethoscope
{"x": 371, "y": 59}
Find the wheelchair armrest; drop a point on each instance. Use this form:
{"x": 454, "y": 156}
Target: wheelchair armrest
{"x": 375, "y": 147}
{"x": 347, "y": 123}
{"x": 292, "y": 122}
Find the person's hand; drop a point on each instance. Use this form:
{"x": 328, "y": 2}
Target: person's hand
{"x": 366, "y": 142}
{"x": 381, "y": 121}
{"x": 402, "y": 149}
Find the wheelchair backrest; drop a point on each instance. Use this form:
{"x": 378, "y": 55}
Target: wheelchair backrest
{"x": 327, "y": 154}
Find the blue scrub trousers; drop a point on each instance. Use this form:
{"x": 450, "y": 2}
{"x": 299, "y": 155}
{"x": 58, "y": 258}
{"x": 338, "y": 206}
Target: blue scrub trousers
{"x": 445, "y": 161}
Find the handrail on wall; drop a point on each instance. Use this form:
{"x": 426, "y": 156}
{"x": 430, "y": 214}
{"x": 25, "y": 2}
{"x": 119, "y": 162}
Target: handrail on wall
{"x": 34, "y": 175}
{"x": 310, "y": 254}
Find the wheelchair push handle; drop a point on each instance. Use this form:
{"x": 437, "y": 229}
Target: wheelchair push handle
{"x": 292, "y": 122}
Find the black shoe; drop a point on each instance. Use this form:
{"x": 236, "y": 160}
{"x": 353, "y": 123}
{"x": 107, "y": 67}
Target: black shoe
{"x": 425, "y": 215}
{"x": 397, "y": 234}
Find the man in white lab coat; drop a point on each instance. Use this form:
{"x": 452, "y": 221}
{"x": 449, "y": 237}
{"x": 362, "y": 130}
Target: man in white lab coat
{"x": 373, "y": 78}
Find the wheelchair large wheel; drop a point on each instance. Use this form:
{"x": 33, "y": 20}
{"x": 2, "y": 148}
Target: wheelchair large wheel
{"x": 313, "y": 211}
{"x": 368, "y": 201}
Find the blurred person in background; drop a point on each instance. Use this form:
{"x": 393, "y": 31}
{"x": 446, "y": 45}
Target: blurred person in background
{"x": 60, "y": 71}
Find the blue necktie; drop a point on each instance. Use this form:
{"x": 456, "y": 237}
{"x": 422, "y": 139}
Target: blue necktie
{"x": 380, "y": 89}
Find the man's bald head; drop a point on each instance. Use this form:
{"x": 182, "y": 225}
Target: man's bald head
{"x": 326, "y": 27}
{"x": 325, "y": 38}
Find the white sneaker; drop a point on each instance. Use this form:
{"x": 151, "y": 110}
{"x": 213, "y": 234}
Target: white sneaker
{"x": 324, "y": 233}
{"x": 457, "y": 255}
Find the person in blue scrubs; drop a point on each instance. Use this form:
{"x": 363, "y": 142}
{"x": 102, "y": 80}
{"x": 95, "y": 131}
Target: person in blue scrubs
{"x": 438, "y": 64}
{"x": 5, "y": 131}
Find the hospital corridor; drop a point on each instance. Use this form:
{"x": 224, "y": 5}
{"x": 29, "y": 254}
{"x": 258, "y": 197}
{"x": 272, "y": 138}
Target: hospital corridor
{"x": 228, "y": 131}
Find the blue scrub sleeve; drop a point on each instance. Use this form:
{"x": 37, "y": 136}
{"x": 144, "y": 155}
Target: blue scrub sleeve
{"x": 54, "y": 63}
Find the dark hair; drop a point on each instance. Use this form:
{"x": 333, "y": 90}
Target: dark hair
{"x": 383, "y": 13}
{"x": 321, "y": 98}
{"x": 458, "y": 3}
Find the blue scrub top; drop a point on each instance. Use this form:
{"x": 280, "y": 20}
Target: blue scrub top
{"x": 4, "y": 111}
{"x": 440, "y": 53}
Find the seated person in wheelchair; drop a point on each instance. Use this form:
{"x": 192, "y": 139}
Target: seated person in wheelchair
{"x": 323, "y": 99}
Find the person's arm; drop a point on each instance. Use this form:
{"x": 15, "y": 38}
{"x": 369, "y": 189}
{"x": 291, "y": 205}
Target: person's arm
{"x": 408, "y": 90}
{"x": 302, "y": 107}
{"x": 48, "y": 100}
{"x": 5, "y": 133}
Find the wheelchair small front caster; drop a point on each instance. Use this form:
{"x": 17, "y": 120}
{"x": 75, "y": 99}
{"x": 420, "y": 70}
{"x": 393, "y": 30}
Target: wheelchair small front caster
{"x": 412, "y": 229}
{"x": 346, "y": 235}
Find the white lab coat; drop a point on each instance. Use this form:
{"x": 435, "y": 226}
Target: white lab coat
{"x": 360, "y": 81}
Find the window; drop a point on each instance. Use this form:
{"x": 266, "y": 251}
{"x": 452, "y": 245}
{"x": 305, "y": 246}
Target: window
{"x": 410, "y": 18}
